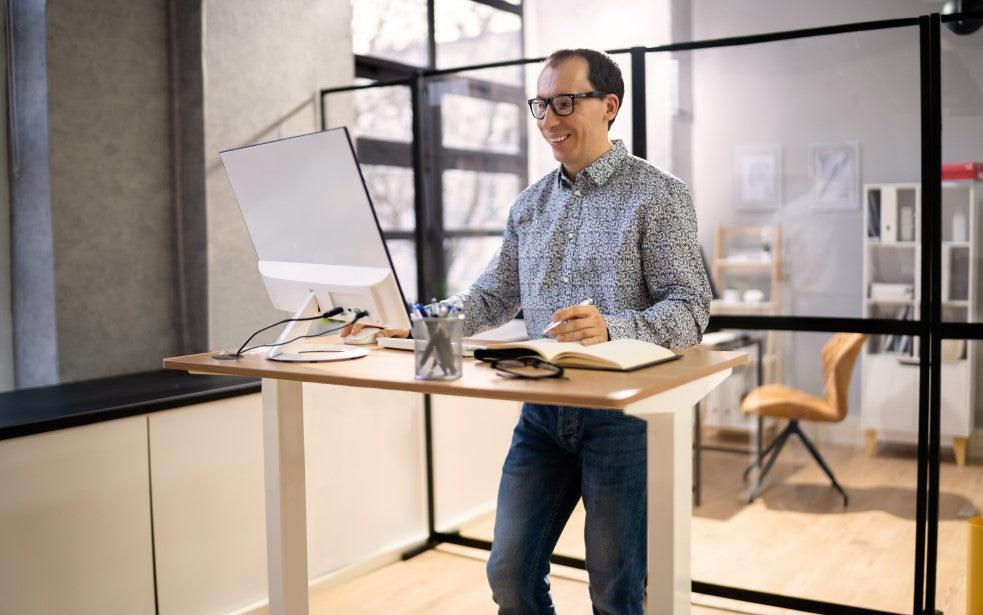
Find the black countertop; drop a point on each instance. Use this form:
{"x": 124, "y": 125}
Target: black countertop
{"x": 30, "y": 411}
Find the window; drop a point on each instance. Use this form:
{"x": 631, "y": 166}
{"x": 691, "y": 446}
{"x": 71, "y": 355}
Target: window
{"x": 391, "y": 29}
{"x": 473, "y": 137}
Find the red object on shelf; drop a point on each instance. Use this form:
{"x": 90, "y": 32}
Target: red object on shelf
{"x": 962, "y": 170}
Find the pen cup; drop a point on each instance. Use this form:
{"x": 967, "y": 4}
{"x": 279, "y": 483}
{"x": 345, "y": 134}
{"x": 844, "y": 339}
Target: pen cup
{"x": 437, "y": 347}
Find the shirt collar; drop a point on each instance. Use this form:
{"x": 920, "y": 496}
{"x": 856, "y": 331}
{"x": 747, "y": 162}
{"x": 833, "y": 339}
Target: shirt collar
{"x": 601, "y": 170}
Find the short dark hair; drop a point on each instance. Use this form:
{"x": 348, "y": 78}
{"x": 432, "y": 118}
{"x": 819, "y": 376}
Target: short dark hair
{"x": 602, "y": 71}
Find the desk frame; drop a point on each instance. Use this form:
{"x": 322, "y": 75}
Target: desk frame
{"x": 670, "y": 480}
{"x": 666, "y": 407}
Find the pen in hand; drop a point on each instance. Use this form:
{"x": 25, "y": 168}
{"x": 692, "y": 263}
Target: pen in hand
{"x": 560, "y": 322}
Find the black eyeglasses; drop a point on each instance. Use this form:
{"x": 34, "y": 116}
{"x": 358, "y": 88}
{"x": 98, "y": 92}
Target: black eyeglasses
{"x": 562, "y": 103}
{"x": 529, "y": 368}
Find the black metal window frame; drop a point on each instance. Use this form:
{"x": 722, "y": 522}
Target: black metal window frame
{"x": 426, "y": 150}
{"x": 930, "y": 330}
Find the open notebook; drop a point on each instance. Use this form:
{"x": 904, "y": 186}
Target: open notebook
{"x": 617, "y": 355}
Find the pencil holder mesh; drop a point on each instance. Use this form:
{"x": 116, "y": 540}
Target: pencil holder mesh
{"x": 437, "y": 347}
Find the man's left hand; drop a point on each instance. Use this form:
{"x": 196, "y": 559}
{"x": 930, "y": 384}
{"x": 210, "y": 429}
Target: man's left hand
{"x": 584, "y": 324}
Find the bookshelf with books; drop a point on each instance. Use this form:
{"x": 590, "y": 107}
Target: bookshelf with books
{"x": 892, "y": 289}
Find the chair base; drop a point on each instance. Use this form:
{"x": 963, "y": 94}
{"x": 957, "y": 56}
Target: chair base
{"x": 775, "y": 447}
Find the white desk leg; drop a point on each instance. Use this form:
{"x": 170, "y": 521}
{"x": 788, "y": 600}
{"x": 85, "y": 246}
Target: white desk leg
{"x": 286, "y": 496}
{"x": 670, "y": 492}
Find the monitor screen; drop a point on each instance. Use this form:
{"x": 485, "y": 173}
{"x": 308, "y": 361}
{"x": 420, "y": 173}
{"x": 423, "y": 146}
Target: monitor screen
{"x": 311, "y": 220}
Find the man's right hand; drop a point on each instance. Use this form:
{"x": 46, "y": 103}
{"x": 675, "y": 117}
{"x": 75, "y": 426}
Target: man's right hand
{"x": 356, "y": 327}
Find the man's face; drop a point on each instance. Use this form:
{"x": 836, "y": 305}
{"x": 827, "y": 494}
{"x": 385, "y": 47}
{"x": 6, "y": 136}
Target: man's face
{"x": 581, "y": 137}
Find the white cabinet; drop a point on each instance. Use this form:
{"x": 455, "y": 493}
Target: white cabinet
{"x": 892, "y": 289}
{"x": 722, "y": 406}
{"x": 366, "y": 494}
{"x": 209, "y": 509}
{"x": 78, "y": 535}
{"x": 75, "y": 521}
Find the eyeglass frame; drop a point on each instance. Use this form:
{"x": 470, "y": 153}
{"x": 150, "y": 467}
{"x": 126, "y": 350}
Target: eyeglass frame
{"x": 536, "y": 362}
{"x": 548, "y": 102}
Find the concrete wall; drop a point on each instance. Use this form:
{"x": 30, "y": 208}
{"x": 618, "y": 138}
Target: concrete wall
{"x": 111, "y": 186}
{"x": 6, "y": 315}
{"x": 855, "y": 87}
{"x": 264, "y": 62}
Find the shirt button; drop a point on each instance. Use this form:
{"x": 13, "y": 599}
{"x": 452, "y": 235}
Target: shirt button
{"x": 566, "y": 280}
{"x": 577, "y": 192}
{"x": 569, "y": 235}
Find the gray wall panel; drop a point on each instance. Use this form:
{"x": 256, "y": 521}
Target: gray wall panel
{"x": 6, "y": 315}
{"x": 32, "y": 259}
{"x": 111, "y": 186}
{"x": 188, "y": 128}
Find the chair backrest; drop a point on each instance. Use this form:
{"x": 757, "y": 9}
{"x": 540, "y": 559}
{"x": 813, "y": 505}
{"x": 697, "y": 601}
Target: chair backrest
{"x": 839, "y": 356}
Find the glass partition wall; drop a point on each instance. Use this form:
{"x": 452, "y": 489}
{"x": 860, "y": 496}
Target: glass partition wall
{"x": 959, "y": 478}
{"x": 813, "y": 158}
{"x": 785, "y": 137}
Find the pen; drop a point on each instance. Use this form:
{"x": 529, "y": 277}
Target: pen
{"x": 560, "y": 322}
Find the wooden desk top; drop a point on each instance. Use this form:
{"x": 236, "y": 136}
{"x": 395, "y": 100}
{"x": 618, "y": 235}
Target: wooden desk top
{"x": 386, "y": 368}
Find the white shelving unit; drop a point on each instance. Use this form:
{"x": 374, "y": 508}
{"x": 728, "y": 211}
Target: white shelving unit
{"x": 892, "y": 289}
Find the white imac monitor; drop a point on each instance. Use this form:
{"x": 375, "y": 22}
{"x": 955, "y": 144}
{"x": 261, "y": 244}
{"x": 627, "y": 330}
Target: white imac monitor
{"x": 316, "y": 235}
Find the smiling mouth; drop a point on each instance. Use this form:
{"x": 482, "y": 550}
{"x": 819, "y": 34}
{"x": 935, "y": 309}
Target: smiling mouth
{"x": 555, "y": 140}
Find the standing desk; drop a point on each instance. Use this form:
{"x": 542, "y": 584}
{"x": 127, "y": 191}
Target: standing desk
{"x": 662, "y": 395}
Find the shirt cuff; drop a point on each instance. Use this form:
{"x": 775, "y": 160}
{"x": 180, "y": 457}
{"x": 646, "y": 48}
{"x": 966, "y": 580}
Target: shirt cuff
{"x": 619, "y": 327}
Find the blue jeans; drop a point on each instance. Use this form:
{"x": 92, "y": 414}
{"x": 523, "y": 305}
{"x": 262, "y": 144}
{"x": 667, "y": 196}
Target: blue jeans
{"x": 557, "y": 456}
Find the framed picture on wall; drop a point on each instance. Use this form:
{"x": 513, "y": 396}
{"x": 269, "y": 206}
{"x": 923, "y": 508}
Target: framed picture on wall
{"x": 757, "y": 176}
{"x": 834, "y": 175}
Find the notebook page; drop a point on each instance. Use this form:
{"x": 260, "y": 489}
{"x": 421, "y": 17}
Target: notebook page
{"x": 626, "y": 352}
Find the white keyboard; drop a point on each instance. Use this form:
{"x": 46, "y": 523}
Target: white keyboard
{"x": 402, "y": 343}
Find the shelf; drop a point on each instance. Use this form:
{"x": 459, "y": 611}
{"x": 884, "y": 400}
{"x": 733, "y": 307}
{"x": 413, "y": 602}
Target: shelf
{"x": 744, "y": 264}
{"x": 740, "y": 230}
{"x": 876, "y": 243}
{"x": 895, "y": 355}
{"x": 721, "y": 307}
{"x": 889, "y": 391}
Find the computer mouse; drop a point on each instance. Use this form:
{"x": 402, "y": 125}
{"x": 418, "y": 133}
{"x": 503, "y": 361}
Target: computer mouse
{"x": 365, "y": 336}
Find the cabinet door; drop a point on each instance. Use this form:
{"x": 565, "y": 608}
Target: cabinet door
{"x": 75, "y": 521}
{"x": 890, "y": 394}
{"x": 723, "y": 404}
{"x": 956, "y": 416}
{"x": 209, "y": 511}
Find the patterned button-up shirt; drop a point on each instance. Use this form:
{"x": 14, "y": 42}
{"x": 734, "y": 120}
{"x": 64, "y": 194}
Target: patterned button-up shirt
{"x": 623, "y": 234}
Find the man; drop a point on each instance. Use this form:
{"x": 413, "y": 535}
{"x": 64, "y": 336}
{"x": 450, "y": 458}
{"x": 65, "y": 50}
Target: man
{"x": 612, "y": 228}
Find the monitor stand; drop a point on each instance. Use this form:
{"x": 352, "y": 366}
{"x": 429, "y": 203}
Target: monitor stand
{"x": 303, "y": 351}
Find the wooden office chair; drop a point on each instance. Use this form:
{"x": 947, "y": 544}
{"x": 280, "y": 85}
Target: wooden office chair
{"x": 780, "y": 401}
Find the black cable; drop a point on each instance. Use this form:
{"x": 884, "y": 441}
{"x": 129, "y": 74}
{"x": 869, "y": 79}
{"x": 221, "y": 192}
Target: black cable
{"x": 332, "y": 312}
{"x": 358, "y": 316}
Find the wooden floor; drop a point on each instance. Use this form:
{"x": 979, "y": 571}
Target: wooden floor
{"x": 451, "y": 580}
{"x": 796, "y": 539}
